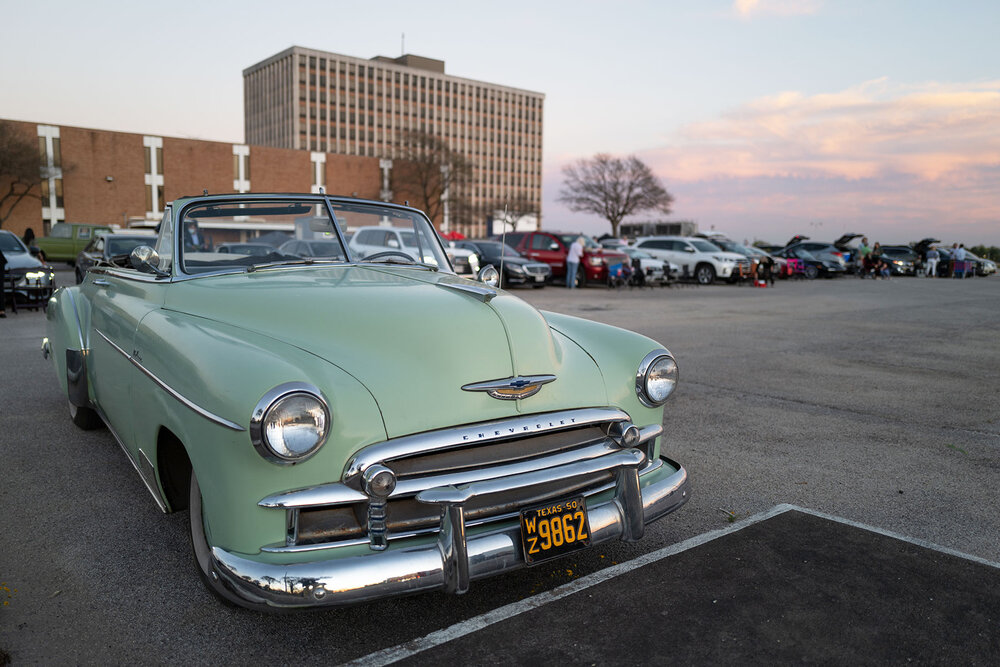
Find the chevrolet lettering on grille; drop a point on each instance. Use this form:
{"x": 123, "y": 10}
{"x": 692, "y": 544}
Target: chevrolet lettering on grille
{"x": 510, "y": 389}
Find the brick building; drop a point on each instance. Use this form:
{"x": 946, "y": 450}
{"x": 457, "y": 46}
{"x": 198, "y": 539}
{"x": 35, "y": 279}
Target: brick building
{"x": 320, "y": 101}
{"x": 116, "y": 177}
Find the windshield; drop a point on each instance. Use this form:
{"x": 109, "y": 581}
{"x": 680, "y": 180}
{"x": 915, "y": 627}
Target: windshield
{"x": 10, "y": 243}
{"x": 309, "y": 234}
{"x": 588, "y": 242}
{"x": 493, "y": 249}
{"x": 705, "y": 246}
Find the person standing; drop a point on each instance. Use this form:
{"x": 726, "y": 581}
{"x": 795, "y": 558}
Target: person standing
{"x": 957, "y": 260}
{"x": 3, "y": 284}
{"x": 862, "y": 257}
{"x": 933, "y": 257}
{"x": 573, "y": 261}
{"x": 875, "y": 260}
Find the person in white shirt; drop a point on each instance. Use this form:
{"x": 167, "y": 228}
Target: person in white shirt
{"x": 573, "y": 258}
{"x": 933, "y": 256}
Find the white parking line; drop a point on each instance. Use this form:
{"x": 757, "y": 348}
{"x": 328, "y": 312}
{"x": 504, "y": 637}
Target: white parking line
{"x": 395, "y": 653}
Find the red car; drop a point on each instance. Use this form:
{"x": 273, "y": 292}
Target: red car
{"x": 552, "y": 248}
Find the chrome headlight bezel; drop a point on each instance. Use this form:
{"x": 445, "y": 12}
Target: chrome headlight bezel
{"x": 261, "y": 413}
{"x": 646, "y": 367}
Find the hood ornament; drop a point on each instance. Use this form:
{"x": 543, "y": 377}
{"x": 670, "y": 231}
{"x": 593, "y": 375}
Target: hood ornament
{"x": 510, "y": 389}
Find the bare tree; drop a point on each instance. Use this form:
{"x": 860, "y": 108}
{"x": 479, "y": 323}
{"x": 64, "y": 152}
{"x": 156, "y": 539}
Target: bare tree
{"x": 20, "y": 173}
{"x": 613, "y": 188}
{"x": 431, "y": 170}
{"x": 517, "y": 209}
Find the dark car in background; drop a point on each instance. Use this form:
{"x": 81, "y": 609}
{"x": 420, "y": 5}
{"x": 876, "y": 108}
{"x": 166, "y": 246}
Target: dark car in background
{"x": 826, "y": 252}
{"x": 30, "y": 279}
{"x": 902, "y": 260}
{"x": 813, "y": 266}
{"x": 552, "y": 248}
{"x": 517, "y": 269}
{"x": 109, "y": 248}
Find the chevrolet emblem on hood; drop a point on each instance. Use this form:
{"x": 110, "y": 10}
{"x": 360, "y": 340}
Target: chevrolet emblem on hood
{"x": 510, "y": 389}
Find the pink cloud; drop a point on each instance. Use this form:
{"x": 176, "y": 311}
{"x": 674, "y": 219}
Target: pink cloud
{"x": 906, "y": 160}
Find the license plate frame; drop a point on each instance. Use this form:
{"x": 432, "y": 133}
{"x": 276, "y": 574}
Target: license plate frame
{"x": 562, "y": 517}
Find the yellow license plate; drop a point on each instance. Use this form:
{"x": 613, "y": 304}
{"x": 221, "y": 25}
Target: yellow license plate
{"x": 554, "y": 529}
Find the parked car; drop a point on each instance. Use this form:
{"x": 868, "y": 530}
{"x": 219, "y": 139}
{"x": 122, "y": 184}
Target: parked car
{"x": 901, "y": 259}
{"x": 255, "y": 249}
{"x": 318, "y": 248}
{"x": 67, "y": 239}
{"x": 331, "y": 432}
{"x": 704, "y": 260}
{"x": 516, "y": 268}
{"x": 812, "y": 266}
{"x": 552, "y": 248}
{"x": 984, "y": 267}
{"x": 108, "y": 247}
{"x": 826, "y": 252}
{"x": 29, "y": 280}
{"x": 377, "y": 239}
{"x": 751, "y": 253}
{"x": 654, "y": 271}
{"x": 780, "y": 269}
{"x": 848, "y": 244}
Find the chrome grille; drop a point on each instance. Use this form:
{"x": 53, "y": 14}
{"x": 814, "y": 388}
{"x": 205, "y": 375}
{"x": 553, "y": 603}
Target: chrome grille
{"x": 537, "y": 269}
{"x": 335, "y": 514}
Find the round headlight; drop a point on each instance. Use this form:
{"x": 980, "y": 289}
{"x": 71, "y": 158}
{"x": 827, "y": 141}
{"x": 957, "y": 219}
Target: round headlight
{"x": 290, "y": 423}
{"x": 656, "y": 378}
{"x": 490, "y": 275}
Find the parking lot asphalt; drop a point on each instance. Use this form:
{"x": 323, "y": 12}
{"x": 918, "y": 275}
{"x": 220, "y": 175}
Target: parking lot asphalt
{"x": 869, "y": 400}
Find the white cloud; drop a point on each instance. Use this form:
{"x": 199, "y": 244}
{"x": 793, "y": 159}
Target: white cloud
{"x": 746, "y": 9}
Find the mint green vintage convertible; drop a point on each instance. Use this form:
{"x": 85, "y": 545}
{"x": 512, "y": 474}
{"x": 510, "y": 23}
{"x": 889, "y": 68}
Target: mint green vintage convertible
{"x": 343, "y": 428}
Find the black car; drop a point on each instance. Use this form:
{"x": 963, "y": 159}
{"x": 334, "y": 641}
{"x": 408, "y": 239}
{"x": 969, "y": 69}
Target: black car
{"x": 31, "y": 280}
{"x": 820, "y": 250}
{"x": 813, "y": 266}
{"x": 109, "y": 248}
{"x": 902, "y": 260}
{"x": 517, "y": 269}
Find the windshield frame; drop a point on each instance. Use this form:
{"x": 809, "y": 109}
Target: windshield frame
{"x": 179, "y": 218}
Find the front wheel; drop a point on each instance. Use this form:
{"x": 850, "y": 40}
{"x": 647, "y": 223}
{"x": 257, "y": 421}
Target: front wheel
{"x": 84, "y": 418}
{"x": 812, "y": 272}
{"x": 705, "y": 274}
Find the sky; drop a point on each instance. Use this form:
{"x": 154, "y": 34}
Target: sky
{"x": 763, "y": 118}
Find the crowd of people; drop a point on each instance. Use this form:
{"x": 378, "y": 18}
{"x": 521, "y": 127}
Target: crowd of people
{"x": 870, "y": 262}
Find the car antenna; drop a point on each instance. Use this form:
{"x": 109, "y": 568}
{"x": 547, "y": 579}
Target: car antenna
{"x": 503, "y": 246}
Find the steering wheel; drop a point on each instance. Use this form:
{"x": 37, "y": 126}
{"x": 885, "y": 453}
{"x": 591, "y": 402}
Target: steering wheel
{"x": 389, "y": 253}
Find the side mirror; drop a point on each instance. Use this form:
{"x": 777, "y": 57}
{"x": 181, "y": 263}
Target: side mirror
{"x": 553, "y": 246}
{"x": 689, "y": 249}
{"x": 489, "y": 275}
{"x": 145, "y": 259}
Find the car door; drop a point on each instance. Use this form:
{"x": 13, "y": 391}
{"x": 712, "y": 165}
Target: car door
{"x": 547, "y": 248}
{"x": 118, "y": 299}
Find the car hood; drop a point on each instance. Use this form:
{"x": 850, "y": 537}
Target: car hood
{"x": 22, "y": 260}
{"x": 408, "y": 335}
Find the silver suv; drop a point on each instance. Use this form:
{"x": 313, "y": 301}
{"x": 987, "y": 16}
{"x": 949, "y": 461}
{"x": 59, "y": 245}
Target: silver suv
{"x": 696, "y": 256}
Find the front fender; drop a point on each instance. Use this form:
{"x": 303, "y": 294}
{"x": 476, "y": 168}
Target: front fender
{"x": 225, "y": 371}
{"x": 617, "y": 352}
{"x": 67, "y": 317}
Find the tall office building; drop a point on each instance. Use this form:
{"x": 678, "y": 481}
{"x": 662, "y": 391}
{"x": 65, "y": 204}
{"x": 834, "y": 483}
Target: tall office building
{"x": 326, "y": 102}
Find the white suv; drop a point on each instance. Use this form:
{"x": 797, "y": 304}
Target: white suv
{"x": 696, "y": 256}
{"x": 372, "y": 240}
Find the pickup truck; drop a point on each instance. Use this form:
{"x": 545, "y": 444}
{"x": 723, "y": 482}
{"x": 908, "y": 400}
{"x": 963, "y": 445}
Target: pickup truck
{"x": 67, "y": 239}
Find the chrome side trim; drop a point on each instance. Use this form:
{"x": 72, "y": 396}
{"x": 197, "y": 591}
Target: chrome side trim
{"x": 486, "y": 432}
{"x": 149, "y": 482}
{"x": 404, "y": 570}
{"x": 191, "y": 405}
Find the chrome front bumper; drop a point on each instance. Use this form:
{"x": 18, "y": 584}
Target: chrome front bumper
{"x": 455, "y": 559}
